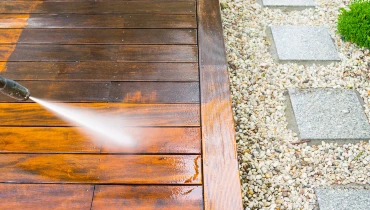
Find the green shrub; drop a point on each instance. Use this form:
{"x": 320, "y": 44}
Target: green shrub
{"x": 354, "y": 24}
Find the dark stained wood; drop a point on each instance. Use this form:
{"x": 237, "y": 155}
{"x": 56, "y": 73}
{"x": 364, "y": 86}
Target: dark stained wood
{"x": 45, "y": 196}
{"x": 98, "y": 36}
{"x": 148, "y": 197}
{"x": 100, "y": 71}
{"x": 120, "y": 169}
{"x": 97, "y": 21}
{"x": 88, "y": 0}
{"x": 222, "y": 188}
{"x": 31, "y": 114}
{"x": 134, "y": 53}
{"x": 66, "y": 91}
{"x": 123, "y": 7}
{"x": 155, "y": 92}
{"x": 74, "y": 140}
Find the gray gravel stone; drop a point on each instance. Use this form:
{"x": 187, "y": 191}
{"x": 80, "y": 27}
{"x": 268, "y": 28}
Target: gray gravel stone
{"x": 343, "y": 198}
{"x": 331, "y": 115}
{"x": 303, "y": 43}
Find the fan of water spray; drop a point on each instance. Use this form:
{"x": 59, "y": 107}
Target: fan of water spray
{"x": 106, "y": 129}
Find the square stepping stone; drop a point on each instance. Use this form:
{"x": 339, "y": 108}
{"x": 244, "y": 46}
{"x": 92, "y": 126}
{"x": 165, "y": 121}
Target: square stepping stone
{"x": 289, "y": 4}
{"x": 330, "y": 115}
{"x": 303, "y": 44}
{"x": 343, "y": 198}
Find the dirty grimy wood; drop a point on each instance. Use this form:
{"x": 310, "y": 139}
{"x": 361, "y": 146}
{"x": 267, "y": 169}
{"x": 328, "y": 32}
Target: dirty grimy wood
{"x": 31, "y": 114}
{"x": 72, "y": 140}
{"x": 218, "y": 136}
{"x": 123, "y": 7}
{"x": 97, "y": 21}
{"x": 134, "y": 53}
{"x": 98, "y": 36}
{"x": 100, "y": 71}
{"x": 148, "y": 197}
{"x": 118, "y": 169}
{"x": 33, "y": 196}
{"x": 155, "y": 92}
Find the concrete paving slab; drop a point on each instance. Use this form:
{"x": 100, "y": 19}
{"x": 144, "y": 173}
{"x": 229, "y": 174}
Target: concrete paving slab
{"x": 289, "y": 4}
{"x": 343, "y": 198}
{"x": 303, "y": 44}
{"x": 330, "y": 115}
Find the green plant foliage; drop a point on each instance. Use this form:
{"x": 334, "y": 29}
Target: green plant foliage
{"x": 354, "y": 24}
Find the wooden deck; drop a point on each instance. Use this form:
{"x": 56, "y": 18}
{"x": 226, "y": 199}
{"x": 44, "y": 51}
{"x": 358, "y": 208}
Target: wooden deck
{"x": 160, "y": 64}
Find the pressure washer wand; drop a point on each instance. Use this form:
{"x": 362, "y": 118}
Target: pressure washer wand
{"x": 13, "y": 89}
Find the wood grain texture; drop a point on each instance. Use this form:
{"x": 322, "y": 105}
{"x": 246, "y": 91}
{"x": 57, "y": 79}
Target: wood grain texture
{"x": 100, "y": 71}
{"x": 87, "y": 0}
{"x": 155, "y": 92}
{"x": 148, "y": 197}
{"x": 66, "y": 91}
{"x": 31, "y": 114}
{"x": 130, "y": 53}
{"x": 57, "y": 196}
{"x": 73, "y": 140}
{"x": 119, "y": 169}
{"x": 98, "y": 36}
{"x": 222, "y": 188}
{"x": 123, "y": 7}
{"x": 19, "y": 21}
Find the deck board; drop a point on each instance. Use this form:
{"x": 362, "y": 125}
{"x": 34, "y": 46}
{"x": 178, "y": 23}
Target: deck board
{"x": 135, "y": 60}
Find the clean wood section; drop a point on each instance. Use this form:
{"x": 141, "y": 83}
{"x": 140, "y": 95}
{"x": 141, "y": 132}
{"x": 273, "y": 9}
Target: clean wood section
{"x": 31, "y": 114}
{"x": 75, "y": 140}
{"x": 218, "y": 136}
{"x": 118, "y": 169}
{"x": 100, "y": 71}
{"x": 98, "y": 36}
{"x": 123, "y": 7}
{"x": 131, "y": 53}
{"x": 148, "y": 197}
{"x": 97, "y": 21}
{"x": 155, "y": 92}
{"x": 45, "y": 196}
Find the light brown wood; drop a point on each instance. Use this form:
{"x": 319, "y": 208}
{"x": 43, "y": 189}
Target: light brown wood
{"x": 73, "y": 140}
{"x": 118, "y": 169}
{"x": 148, "y": 197}
{"x": 30, "y": 114}
{"x": 45, "y": 196}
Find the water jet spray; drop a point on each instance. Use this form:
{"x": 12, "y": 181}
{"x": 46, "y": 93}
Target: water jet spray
{"x": 13, "y": 89}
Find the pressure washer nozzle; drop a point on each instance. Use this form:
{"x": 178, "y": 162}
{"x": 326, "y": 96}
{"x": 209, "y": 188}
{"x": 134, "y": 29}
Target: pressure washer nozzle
{"x": 13, "y": 89}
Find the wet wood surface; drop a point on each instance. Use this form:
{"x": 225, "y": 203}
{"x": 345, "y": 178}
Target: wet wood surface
{"x": 33, "y": 196}
{"x": 148, "y": 197}
{"x": 135, "y": 60}
{"x": 30, "y": 114}
{"x": 179, "y": 140}
{"x": 97, "y": 21}
{"x": 100, "y": 71}
{"x": 118, "y": 169}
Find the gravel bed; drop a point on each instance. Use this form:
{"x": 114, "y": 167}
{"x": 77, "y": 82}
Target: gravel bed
{"x": 276, "y": 173}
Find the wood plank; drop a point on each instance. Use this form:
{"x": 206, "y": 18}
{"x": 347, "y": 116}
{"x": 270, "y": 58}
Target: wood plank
{"x": 155, "y": 92}
{"x": 222, "y": 188}
{"x": 66, "y": 91}
{"x": 148, "y": 197}
{"x": 100, "y": 71}
{"x": 119, "y": 169}
{"x": 57, "y": 196}
{"x": 89, "y": 0}
{"x": 97, "y": 21}
{"x": 32, "y": 114}
{"x": 123, "y": 7}
{"x": 72, "y": 140}
{"x": 98, "y": 36}
{"x": 131, "y": 53}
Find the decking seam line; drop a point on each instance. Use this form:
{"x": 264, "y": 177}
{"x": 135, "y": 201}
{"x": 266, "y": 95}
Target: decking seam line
{"x": 97, "y": 184}
{"x": 92, "y": 199}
